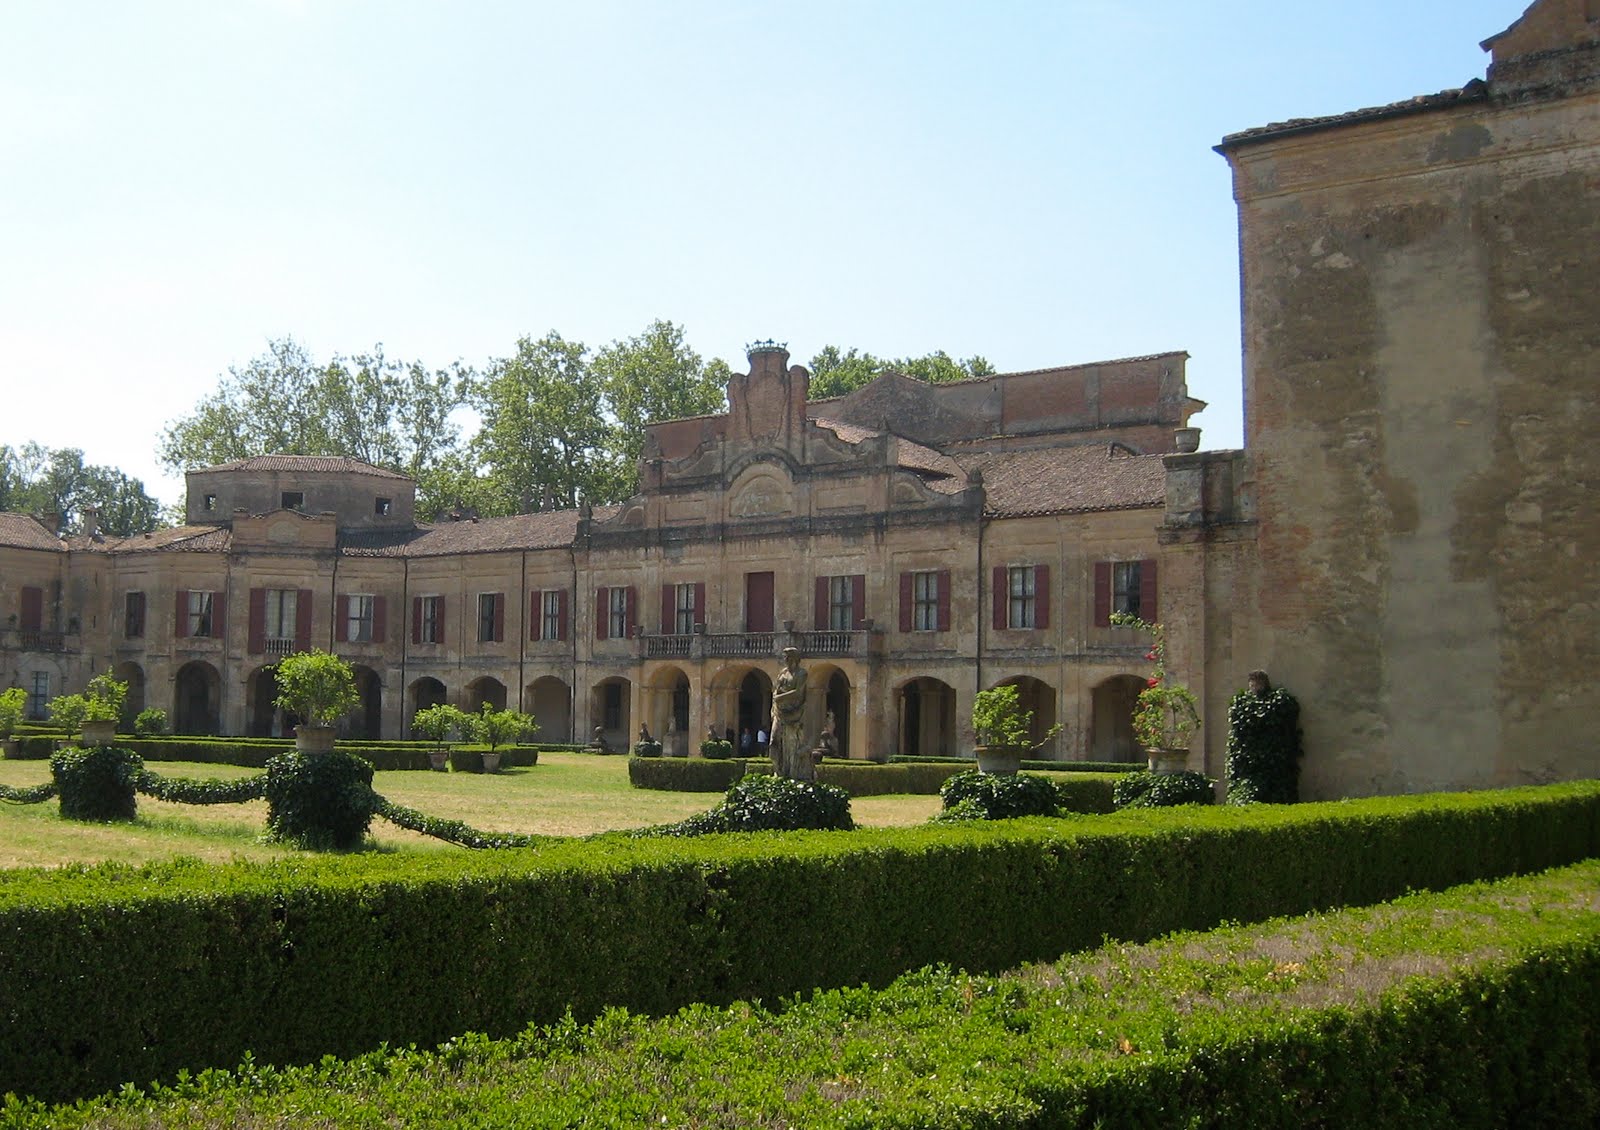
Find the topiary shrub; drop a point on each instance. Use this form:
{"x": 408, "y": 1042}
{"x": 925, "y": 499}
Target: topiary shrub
{"x": 151, "y": 723}
{"x": 770, "y": 804}
{"x": 97, "y": 782}
{"x": 647, "y": 749}
{"x": 1001, "y": 797}
{"x": 320, "y": 801}
{"x": 717, "y": 749}
{"x": 1163, "y": 790}
{"x": 1264, "y": 747}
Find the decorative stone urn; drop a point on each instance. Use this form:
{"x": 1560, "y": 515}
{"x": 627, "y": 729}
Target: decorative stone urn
{"x": 491, "y": 761}
{"x": 1168, "y": 760}
{"x": 439, "y": 760}
{"x": 313, "y": 739}
{"x": 1000, "y": 760}
{"x": 101, "y": 731}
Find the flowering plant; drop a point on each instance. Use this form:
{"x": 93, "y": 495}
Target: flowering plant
{"x": 1166, "y": 714}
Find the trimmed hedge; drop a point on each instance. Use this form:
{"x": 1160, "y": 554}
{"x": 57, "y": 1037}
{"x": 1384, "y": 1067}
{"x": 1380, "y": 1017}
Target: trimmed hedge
{"x": 1311, "y": 1021}
{"x": 1079, "y": 792}
{"x": 97, "y": 782}
{"x": 35, "y": 747}
{"x": 684, "y": 774}
{"x": 1030, "y": 765}
{"x": 296, "y": 959}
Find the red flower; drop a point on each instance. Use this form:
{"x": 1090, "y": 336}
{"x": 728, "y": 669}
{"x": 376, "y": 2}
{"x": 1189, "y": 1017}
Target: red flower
{"x": 1153, "y": 682}
{"x": 1151, "y": 656}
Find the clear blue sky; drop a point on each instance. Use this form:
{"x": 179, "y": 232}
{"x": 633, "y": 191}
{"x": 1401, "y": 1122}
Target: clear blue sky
{"x": 1033, "y": 182}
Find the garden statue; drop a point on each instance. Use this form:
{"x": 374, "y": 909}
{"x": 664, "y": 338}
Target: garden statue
{"x": 599, "y": 743}
{"x": 827, "y": 741}
{"x": 791, "y": 757}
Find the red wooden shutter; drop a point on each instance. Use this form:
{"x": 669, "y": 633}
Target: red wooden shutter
{"x": 416, "y": 619}
{"x": 219, "y": 614}
{"x": 631, "y": 614}
{"x": 944, "y": 600}
{"x": 380, "y": 619}
{"x": 258, "y": 621}
{"x": 1149, "y": 608}
{"x": 858, "y": 601}
{"x": 905, "y": 602}
{"x": 32, "y": 608}
{"x": 699, "y": 602}
{"x": 499, "y": 617}
{"x": 1102, "y": 594}
{"x": 602, "y": 613}
{"x": 302, "y": 620}
{"x": 668, "y": 624}
{"x": 1001, "y": 595}
{"x": 535, "y": 614}
{"x": 561, "y": 614}
{"x": 180, "y": 623}
{"x": 341, "y": 618}
{"x": 820, "y": 608}
{"x": 1041, "y": 596}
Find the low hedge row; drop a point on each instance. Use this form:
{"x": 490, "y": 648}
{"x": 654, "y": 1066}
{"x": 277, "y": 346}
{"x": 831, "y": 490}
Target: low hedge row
{"x": 684, "y": 774}
{"x": 296, "y": 959}
{"x": 1319, "y": 1021}
{"x": 1031, "y": 765}
{"x": 34, "y": 747}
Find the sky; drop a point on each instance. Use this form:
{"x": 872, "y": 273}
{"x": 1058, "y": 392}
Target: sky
{"x": 1030, "y": 182}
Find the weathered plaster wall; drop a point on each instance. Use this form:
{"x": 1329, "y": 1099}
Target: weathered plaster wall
{"x": 1420, "y": 343}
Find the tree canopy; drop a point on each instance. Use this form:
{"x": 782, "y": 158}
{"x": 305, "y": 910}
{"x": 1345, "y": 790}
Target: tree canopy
{"x": 836, "y": 372}
{"x": 39, "y": 480}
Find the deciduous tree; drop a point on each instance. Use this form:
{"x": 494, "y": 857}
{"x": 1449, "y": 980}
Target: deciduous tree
{"x": 837, "y": 372}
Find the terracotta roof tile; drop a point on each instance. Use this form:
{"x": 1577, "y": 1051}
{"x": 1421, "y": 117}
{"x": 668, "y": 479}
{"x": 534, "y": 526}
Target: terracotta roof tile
{"x": 1066, "y": 480}
{"x": 1475, "y": 91}
{"x": 184, "y": 539}
{"x": 549, "y": 529}
{"x": 319, "y": 464}
{"x": 24, "y": 531}
{"x": 913, "y": 456}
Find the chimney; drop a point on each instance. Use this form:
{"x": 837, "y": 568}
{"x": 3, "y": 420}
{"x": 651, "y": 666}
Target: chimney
{"x": 91, "y": 521}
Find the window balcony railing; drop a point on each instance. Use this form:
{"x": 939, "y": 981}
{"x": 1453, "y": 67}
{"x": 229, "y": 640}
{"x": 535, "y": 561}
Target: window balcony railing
{"x": 756, "y": 645}
{"x": 29, "y": 640}
{"x": 277, "y": 646}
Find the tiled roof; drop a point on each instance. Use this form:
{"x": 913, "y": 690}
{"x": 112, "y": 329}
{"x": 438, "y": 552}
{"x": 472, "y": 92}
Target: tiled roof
{"x": 1475, "y": 91}
{"x": 24, "y": 531}
{"x": 1066, "y": 480}
{"x": 912, "y": 455}
{"x": 181, "y": 539}
{"x": 316, "y": 464}
{"x": 549, "y": 529}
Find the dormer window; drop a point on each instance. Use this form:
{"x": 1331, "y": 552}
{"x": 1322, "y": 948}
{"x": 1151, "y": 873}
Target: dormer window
{"x": 209, "y": 502}
{"x": 381, "y": 507}
{"x": 294, "y": 499}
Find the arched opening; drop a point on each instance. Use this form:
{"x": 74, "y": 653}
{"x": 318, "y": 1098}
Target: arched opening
{"x": 837, "y": 708}
{"x": 667, "y": 712}
{"x": 550, "y": 702}
{"x": 487, "y": 689}
{"x": 365, "y": 722}
{"x": 927, "y": 713}
{"x": 425, "y": 692}
{"x": 753, "y": 708}
{"x": 263, "y": 719}
{"x": 197, "y": 699}
{"x": 610, "y": 713}
{"x": 1040, "y": 698}
{"x": 133, "y": 675}
{"x": 1111, "y": 719}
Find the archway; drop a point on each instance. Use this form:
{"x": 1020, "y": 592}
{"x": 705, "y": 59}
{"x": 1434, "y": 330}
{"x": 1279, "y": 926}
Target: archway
{"x": 1039, "y": 697}
{"x": 197, "y": 699}
{"x": 487, "y": 689}
{"x": 667, "y": 712}
{"x": 1111, "y": 719}
{"x": 550, "y": 702}
{"x": 753, "y": 708}
{"x": 133, "y": 675}
{"x": 365, "y": 722}
{"x": 611, "y": 712}
{"x": 263, "y": 719}
{"x": 828, "y": 693}
{"x": 425, "y": 692}
{"x": 927, "y": 713}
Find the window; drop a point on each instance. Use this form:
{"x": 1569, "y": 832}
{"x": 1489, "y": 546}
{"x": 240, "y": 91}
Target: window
{"x": 427, "y": 619}
{"x": 133, "y": 615}
{"x": 39, "y": 694}
{"x": 683, "y": 615}
{"x": 293, "y": 499}
{"x": 283, "y": 606}
{"x": 925, "y": 602}
{"x": 491, "y": 617}
{"x": 201, "y": 606}
{"x": 842, "y": 604}
{"x": 616, "y": 614}
{"x": 1021, "y": 597}
{"x": 358, "y": 619}
{"x": 209, "y": 502}
{"x": 381, "y": 507}
{"x": 1125, "y": 586}
{"x": 550, "y": 614}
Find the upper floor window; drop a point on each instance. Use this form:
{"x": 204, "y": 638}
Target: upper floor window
{"x": 1019, "y": 582}
{"x": 359, "y": 618}
{"x": 283, "y": 606}
{"x": 925, "y": 601}
{"x": 683, "y": 607}
{"x": 547, "y": 614}
{"x": 683, "y": 610}
{"x": 427, "y": 619}
{"x": 1021, "y": 596}
{"x": 209, "y": 502}
{"x": 491, "y": 617}
{"x": 617, "y": 613}
{"x": 201, "y": 606}
{"x": 133, "y": 615}
{"x": 841, "y": 603}
{"x": 1125, "y": 586}
{"x": 381, "y": 506}
{"x": 293, "y": 499}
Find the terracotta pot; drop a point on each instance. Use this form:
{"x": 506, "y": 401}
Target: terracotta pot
{"x": 313, "y": 739}
{"x": 103, "y": 732}
{"x": 1001, "y": 760}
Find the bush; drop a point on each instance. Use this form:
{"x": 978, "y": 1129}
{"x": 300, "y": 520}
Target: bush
{"x": 97, "y": 782}
{"x": 1163, "y": 790}
{"x": 320, "y": 801}
{"x": 684, "y": 774}
{"x": 317, "y": 686}
{"x": 717, "y": 749}
{"x": 647, "y": 749}
{"x": 13, "y": 707}
{"x": 1264, "y": 748}
{"x": 151, "y": 723}
{"x": 494, "y": 728}
{"x": 771, "y": 804}
{"x": 1001, "y": 797}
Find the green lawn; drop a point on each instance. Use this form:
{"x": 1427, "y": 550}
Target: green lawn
{"x": 566, "y": 794}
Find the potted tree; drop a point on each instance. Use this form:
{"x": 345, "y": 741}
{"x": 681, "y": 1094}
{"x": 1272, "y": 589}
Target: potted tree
{"x": 435, "y": 723}
{"x": 320, "y": 689}
{"x": 1003, "y": 730}
{"x": 94, "y": 712}
{"x": 1166, "y": 715}
{"x": 13, "y": 708}
{"x": 494, "y": 728}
